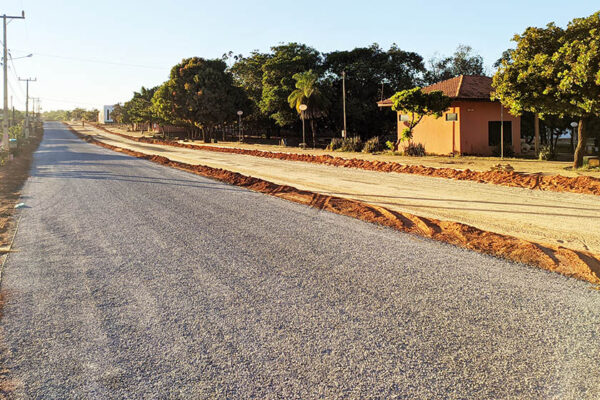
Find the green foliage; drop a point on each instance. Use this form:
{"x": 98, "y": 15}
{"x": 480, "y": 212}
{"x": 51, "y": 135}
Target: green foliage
{"x": 418, "y": 104}
{"x": 414, "y": 150}
{"x": 278, "y": 82}
{"x": 248, "y": 74}
{"x": 554, "y": 71}
{"x": 372, "y": 74}
{"x": 307, "y": 92}
{"x": 56, "y": 115}
{"x": 335, "y": 144}
{"x": 373, "y": 145}
{"x": 463, "y": 62}
{"x": 200, "y": 94}
{"x": 16, "y": 131}
{"x": 390, "y": 145}
{"x": 139, "y": 109}
{"x": 353, "y": 144}
{"x": 546, "y": 153}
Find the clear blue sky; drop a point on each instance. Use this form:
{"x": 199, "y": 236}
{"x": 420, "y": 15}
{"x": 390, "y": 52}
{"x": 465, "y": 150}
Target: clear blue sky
{"x": 153, "y": 35}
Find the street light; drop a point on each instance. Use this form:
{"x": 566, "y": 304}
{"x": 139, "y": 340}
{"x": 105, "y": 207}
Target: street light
{"x": 16, "y": 58}
{"x": 303, "y": 108}
{"x": 240, "y": 113}
{"x": 573, "y": 125}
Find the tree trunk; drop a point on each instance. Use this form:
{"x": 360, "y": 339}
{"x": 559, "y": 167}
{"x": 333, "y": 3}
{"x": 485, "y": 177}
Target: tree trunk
{"x": 581, "y": 142}
{"x": 312, "y": 128}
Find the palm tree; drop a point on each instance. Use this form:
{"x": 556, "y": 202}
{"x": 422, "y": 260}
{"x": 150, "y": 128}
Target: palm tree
{"x": 307, "y": 92}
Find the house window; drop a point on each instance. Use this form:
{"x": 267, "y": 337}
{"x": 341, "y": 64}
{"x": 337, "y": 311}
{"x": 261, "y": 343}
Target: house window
{"x": 494, "y": 133}
{"x": 108, "y": 115}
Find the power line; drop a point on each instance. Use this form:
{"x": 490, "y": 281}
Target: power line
{"x": 68, "y": 101}
{"x": 98, "y": 61}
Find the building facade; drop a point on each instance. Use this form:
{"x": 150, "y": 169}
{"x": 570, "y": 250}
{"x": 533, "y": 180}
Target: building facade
{"x": 471, "y": 126}
{"x": 105, "y": 116}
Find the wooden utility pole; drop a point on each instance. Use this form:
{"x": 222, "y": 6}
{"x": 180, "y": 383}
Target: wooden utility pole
{"x": 345, "y": 132}
{"x": 5, "y": 65}
{"x": 536, "y": 129}
{"x": 27, "y": 104}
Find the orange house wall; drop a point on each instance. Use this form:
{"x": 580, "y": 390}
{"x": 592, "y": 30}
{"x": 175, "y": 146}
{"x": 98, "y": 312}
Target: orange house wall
{"x": 470, "y": 132}
{"x": 435, "y": 133}
{"x": 474, "y": 128}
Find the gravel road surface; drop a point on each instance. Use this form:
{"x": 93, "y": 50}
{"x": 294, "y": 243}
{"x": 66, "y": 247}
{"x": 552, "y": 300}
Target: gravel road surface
{"x": 133, "y": 280}
{"x": 560, "y": 219}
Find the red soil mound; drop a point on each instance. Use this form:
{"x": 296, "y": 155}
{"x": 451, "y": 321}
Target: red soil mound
{"x": 578, "y": 264}
{"x": 555, "y": 183}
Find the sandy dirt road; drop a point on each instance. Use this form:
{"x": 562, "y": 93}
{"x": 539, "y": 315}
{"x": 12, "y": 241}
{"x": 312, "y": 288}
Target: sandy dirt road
{"x": 566, "y": 219}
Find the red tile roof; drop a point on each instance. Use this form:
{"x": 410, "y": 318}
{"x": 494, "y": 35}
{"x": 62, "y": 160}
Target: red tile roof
{"x": 462, "y": 87}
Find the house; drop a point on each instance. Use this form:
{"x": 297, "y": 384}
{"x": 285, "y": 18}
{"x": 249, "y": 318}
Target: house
{"x": 104, "y": 116}
{"x": 471, "y": 125}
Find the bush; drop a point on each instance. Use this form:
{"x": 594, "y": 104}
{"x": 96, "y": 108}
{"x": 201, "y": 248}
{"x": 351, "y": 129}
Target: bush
{"x": 351, "y": 144}
{"x": 546, "y": 153}
{"x": 391, "y": 145}
{"x": 335, "y": 144}
{"x": 414, "y": 149}
{"x": 373, "y": 145}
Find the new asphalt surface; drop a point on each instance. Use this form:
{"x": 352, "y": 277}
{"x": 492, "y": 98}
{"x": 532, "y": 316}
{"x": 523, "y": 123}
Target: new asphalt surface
{"x": 133, "y": 280}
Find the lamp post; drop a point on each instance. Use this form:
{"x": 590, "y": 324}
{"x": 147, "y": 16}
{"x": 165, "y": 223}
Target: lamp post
{"x": 240, "y": 113}
{"x": 303, "y": 108}
{"x": 573, "y": 125}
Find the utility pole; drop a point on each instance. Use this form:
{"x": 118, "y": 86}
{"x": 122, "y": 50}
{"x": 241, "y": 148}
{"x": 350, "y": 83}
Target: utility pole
{"x": 345, "y": 132}
{"x": 5, "y": 65}
{"x": 27, "y": 104}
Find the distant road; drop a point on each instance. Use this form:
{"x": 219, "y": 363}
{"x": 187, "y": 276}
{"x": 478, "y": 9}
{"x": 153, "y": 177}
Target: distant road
{"x": 133, "y": 280}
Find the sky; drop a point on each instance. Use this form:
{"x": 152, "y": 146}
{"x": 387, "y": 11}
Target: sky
{"x": 90, "y": 53}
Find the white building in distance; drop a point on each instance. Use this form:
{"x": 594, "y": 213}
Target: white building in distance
{"x": 105, "y": 116}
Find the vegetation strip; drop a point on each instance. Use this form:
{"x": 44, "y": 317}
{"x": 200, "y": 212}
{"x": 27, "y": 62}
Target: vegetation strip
{"x": 577, "y": 264}
{"x": 554, "y": 183}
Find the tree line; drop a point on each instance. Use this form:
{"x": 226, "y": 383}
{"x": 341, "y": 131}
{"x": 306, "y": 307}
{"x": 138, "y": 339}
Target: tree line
{"x": 203, "y": 95}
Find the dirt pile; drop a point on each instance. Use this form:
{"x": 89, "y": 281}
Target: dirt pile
{"x": 555, "y": 183}
{"x": 577, "y": 264}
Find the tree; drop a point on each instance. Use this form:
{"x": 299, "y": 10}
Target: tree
{"x": 372, "y": 74}
{"x": 462, "y": 62}
{"x": 248, "y": 75}
{"x": 278, "y": 83}
{"x": 119, "y": 114}
{"x": 555, "y": 71}
{"x": 419, "y": 104}
{"x": 139, "y": 110}
{"x": 308, "y": 93}
{"x": 201, "y": 95}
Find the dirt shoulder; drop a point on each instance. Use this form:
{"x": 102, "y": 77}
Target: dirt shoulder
{"x": 12, "y": 177}
{"x": 481, "y": 164}
{"x": 579, "y": 264}
{"x": 538, "y": 181}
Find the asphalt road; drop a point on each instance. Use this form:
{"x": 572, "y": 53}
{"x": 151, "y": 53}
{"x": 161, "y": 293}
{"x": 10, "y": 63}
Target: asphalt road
{"x": 133, "y": 280}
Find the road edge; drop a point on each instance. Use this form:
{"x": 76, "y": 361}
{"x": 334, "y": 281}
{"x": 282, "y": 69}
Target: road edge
{"x": 572, "y": 263}
{"x": 554, "y": 183}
